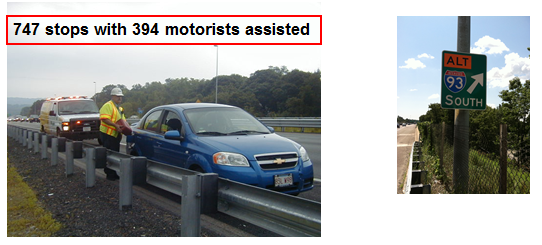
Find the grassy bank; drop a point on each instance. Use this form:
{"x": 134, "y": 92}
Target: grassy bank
{"x": 25, "y": 218}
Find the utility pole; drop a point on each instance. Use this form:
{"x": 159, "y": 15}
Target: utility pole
{"x": 461, "y": 119}
{"x": 216, "y": 81}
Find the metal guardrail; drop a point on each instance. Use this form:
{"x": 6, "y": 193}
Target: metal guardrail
{"x": 415, "y": 176}
{"x": 286, "y": 122}
{"x": 409, "y": 173}
{"x": 280, "y": 122}
{"x": 283, "y": 214}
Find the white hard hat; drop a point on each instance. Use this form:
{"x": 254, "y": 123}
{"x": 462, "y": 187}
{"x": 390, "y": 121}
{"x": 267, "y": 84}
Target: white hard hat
{"x": 116, "y": 92}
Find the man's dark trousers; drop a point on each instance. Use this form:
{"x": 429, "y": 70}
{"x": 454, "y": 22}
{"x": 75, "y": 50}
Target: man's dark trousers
{"x": 111, "y": 143}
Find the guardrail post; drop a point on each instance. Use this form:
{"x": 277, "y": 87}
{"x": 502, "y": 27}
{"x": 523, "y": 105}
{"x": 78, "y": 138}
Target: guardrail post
{"x": 61, "y": 144}
{"x": 44, "y": 146}
{"x": 100, "y": 157}
{"x": 49, "y": 139}
{"x": 36, "y": 142}
{"x": 190, "y": 206}
{"x": 17, "y": 133}
{"x": 125, "y": 184}
{"x": 23, "y": 139}
{"x": 21, "y": 135}
{"x": 91, "y": 167}
{"x": 77, "y": 149}
{"x": 209, "y": 193}
{"x": 54, "y": 151}
{"x": 30, "y": 139}
{"x": 69, "y": 158}
{"x": 139, "y": 168}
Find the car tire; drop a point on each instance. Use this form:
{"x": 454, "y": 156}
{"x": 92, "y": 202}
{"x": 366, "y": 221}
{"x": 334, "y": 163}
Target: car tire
{"x": 197, "y": 168}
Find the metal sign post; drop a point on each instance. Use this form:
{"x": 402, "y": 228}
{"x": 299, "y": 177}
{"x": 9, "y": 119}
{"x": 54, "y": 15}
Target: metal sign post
{"x": 461, "y": 122}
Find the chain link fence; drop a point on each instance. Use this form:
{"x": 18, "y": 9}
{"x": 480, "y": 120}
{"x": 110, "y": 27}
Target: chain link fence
{"x": 498, "y": 162}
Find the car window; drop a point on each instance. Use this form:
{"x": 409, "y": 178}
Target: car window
{"x": 77, "y": 107}
{"x": 151, "y": 122}
{"x": 222, "y": 120}
{"x": 172, "y": 122}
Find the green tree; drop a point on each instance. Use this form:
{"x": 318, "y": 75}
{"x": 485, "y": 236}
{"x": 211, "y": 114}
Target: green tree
{"x": 516, "y": 114}
{"x": 484, "y": 130}
{"x": 437, "y": 115}
{"x": 275, "y": 91}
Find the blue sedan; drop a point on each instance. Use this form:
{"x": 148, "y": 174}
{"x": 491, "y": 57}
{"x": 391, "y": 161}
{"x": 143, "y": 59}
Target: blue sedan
{"x": 222, "y": 139}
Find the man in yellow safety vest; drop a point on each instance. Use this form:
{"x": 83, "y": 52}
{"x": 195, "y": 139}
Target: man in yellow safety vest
{"x": 110, "y": 131}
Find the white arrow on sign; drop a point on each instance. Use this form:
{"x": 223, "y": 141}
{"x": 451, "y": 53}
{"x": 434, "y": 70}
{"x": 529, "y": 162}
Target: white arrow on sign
{"x": 478, "y": 79}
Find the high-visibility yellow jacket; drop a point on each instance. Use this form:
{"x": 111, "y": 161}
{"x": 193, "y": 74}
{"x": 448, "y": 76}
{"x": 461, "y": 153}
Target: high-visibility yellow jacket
{"x": 110, "y": 111}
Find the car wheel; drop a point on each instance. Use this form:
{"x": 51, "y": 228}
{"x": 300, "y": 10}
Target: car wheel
{"x": 197, "y": 168}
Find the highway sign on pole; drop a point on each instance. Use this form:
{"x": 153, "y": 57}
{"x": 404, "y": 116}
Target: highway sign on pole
{"x": 463, "y": 84}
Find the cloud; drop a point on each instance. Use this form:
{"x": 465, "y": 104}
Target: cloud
{"x": 424, "y": 55}
{"x": 413, "y": 64}
{"x": 515, "y": 66}
{"x": 414, "y": 89}
{"x": 493, "y": 46}
{"x": 434, "y": 96}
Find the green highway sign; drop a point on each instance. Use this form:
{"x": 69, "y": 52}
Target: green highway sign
{"x": 463, "y": 84}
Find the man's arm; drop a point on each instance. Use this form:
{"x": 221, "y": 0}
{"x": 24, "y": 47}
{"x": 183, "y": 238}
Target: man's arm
{"x": 111, "y": 123}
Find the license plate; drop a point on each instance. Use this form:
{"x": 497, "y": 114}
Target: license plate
{"x": 284, "y": 180}
{"x": 86, "y": 129}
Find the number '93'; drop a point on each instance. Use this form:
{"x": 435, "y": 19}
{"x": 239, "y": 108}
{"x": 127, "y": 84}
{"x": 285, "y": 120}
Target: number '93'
{"x": 145, "y": 29}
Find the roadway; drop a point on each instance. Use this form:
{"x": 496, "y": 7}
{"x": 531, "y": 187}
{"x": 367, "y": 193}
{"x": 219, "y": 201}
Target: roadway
{"x": 311, "y": 142}
{"x": 406, "y": 135}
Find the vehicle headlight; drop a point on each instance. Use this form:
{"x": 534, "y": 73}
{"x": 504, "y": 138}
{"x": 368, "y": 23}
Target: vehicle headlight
{"x": 304, "y": 154}
{"x": 65, "y": 126}
{"x": 230, "y": 159}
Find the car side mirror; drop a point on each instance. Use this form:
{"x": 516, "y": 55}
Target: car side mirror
{"x": 271, "y": 129}
{"x": 174, "y": 135}
{"x": 52, "y": 113}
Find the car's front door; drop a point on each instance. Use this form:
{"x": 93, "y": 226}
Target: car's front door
{"x": 147, "y": 138}
{"x": 171, "y": 151}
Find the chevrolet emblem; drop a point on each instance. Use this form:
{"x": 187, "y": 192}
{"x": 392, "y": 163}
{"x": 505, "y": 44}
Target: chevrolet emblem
{"x": 279, "y": 161}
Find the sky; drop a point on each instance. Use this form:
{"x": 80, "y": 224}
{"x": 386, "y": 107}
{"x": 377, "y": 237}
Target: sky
{"x": 40, "y": 71}
{"x": 421, "y": 40}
